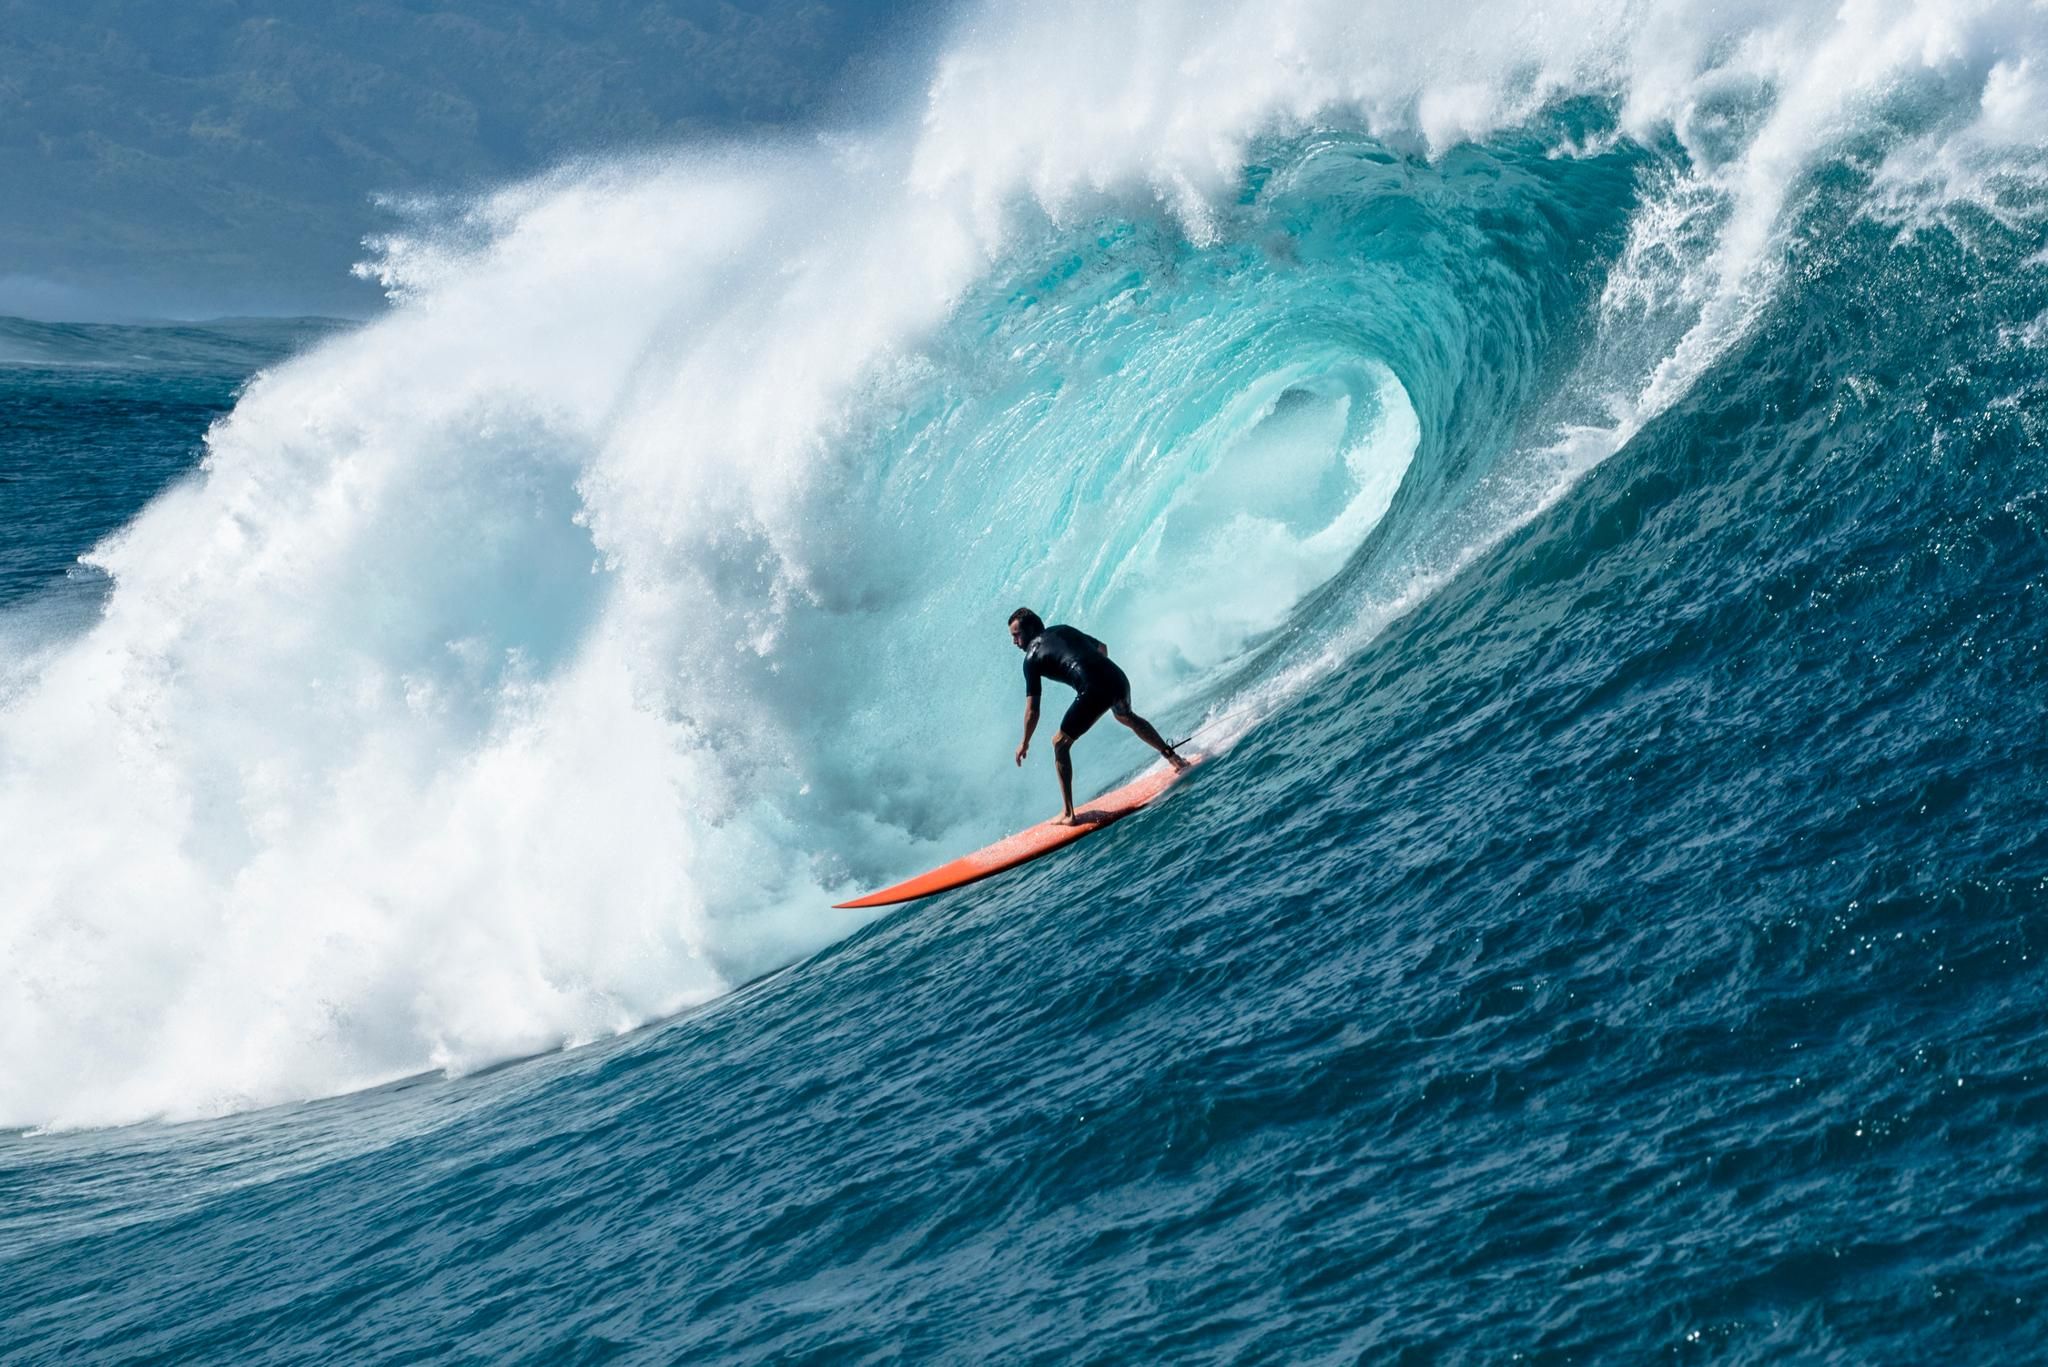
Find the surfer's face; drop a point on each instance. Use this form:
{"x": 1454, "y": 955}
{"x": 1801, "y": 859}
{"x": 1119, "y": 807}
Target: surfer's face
{"x": 1017, "y": 635}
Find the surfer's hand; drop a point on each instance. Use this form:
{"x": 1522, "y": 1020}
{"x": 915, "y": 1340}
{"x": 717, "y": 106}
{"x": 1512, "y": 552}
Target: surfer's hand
{"x": 1022, "y": 750}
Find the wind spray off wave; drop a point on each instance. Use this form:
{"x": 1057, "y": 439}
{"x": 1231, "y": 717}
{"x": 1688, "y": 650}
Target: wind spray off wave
{"x": 546, "y": 656}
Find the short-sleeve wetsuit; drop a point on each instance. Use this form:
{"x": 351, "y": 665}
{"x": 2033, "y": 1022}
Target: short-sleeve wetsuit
{"x": 1079, "y": 661}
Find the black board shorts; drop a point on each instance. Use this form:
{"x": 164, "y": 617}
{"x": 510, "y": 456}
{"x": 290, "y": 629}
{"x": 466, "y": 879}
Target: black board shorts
{"x": 1110, "y": 693}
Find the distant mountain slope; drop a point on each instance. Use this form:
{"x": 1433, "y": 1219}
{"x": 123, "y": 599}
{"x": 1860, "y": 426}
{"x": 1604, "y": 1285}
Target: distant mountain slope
{"x": 219, "y": 155}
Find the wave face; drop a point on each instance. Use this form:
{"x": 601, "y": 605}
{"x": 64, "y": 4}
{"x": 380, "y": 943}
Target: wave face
{"x": 1581, "y": 467}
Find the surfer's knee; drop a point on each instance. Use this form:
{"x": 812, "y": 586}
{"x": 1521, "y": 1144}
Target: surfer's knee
{"x": 1061, "y": 743}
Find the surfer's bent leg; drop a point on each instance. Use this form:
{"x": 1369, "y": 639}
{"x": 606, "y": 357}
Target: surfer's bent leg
{"x": 1063, "y": 765}
{"x": 1146, "y": 732}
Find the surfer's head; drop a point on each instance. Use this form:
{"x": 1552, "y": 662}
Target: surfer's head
{"x": 1025, "y": 627}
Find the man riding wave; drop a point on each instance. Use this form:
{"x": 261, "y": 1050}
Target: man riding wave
{"x": 1081, "y": 662}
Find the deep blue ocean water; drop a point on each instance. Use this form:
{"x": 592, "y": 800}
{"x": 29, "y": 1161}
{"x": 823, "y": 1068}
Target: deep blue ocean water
{"x": 97, "y": 418}
{"x": 1626, "y": 946}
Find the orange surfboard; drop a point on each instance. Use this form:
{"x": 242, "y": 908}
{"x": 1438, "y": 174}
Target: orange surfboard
{"x": 1027, "y": 844}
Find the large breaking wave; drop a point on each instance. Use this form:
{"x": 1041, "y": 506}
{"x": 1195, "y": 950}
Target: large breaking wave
{"x": 544, "y": 657}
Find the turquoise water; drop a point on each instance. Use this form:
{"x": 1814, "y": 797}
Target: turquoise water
{"x": 1610, "y": 926}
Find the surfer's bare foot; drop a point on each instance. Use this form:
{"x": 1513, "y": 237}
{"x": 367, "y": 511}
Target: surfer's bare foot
{"x": 1176, "y": 761}
{"x": 1068, "y": 819}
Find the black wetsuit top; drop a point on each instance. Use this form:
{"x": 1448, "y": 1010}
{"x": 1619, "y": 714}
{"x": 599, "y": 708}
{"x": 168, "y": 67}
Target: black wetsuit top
{"x": 1077, "y": 660}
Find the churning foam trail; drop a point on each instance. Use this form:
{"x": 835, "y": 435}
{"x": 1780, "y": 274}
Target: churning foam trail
{"x": 542, "y": 658}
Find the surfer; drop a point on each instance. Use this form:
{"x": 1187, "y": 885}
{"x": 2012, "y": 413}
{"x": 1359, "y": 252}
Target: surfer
{"x": 1082, "y": 663}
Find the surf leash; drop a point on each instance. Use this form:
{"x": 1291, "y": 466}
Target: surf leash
{"x": 1212, "y": 724}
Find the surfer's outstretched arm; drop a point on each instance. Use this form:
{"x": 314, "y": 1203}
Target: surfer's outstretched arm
{"x": 1030, "y": 725}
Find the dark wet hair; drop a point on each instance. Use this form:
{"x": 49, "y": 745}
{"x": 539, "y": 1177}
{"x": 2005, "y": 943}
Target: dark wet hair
{"x": 1033, "y": 624}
